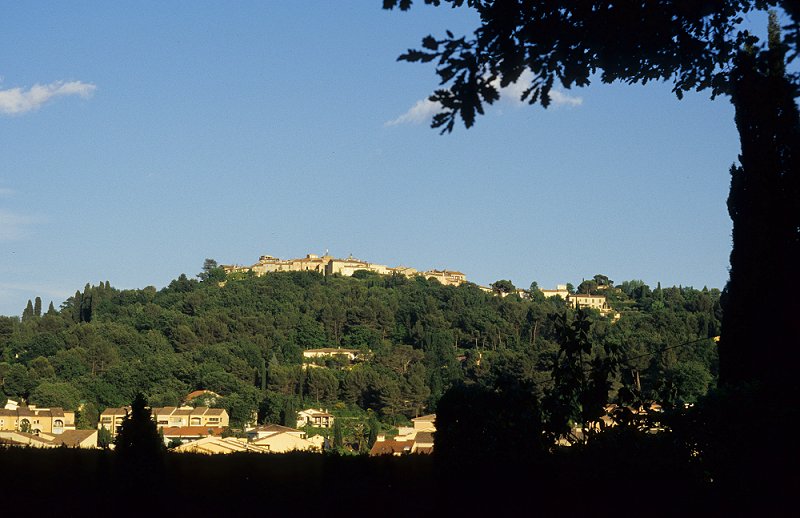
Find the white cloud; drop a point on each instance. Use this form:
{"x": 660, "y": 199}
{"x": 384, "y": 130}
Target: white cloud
{"x": 14, "y": 226}
{"x": 559, "y": 98}
{"x": 514, "y": 91}
{"x": 16, "y": 100}
{"x": 423, "y": 110}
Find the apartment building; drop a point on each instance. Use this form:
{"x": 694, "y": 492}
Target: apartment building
{"x": 169, "y": 417}
{"x": 30, "y": 418}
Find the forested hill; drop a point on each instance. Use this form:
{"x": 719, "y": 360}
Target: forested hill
{"x": 243, "y": 338}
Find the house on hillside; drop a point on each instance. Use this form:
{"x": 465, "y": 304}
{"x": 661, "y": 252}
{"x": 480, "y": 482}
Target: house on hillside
{"x": 391, "y": 447}
{"x": 286, "y": 441}
{"x": 314, "y": 417}
{"x": 331, "y": 352}
{"x": 583, "y": 300}
{"x": 560, "y": 291}
{"x": 206, "y": 397}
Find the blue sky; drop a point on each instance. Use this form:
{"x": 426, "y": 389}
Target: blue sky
{"x": 135, "y": 141}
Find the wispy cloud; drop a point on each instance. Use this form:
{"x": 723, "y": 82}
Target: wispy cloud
{"x": 513, "y": 93}
{"x": 560, "y": 98}
{"x": 421, "y": 112}
{"x": 15, "y": 101}
{"x": 424, "y": 109}
{"x": 14, "y": 226}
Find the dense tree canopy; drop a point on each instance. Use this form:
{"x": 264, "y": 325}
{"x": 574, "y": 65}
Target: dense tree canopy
{"x": 244, "y": 339}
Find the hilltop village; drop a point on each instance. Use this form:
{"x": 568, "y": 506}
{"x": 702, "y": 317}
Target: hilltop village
{"x": 328, "y": 265}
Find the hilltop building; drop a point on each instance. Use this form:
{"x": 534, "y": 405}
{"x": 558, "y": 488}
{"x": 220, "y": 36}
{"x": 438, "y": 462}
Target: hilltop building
{"x": 329, "y": 265}
{"x": 580, "y": 300}
{"x": 560, "y": 291}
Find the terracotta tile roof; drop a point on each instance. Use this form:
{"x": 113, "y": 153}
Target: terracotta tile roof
{"x": 200, "y": 410}
{"x": 57, "y": 412}
{"x": 6, "y": 412}
{"x": 73, "y": 438}
{"x": 424, "y": 450}
{"x": 215, "y": 411}
{"x": 191, "y": 431}
{"x": 390, "y": 447}
{"x": 115, "y": 411}
{"x": 197, "y": 393}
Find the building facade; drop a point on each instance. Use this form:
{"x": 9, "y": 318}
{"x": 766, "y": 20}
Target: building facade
{"x": 169, "y": 417}
{"x": 30, "y": 418}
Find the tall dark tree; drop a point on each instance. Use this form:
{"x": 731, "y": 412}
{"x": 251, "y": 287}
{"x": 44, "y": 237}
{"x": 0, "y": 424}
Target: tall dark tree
{"x": 763, "y": 205}
{"x": 138, "y": 440}
{"x": 37, "y": 307}
{"x": 27, "y": 313}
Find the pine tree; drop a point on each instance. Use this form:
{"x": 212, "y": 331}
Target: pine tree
{"x": 51, "y": 310}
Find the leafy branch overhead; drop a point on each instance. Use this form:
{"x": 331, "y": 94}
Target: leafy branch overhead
{"x": 566, "y": 43}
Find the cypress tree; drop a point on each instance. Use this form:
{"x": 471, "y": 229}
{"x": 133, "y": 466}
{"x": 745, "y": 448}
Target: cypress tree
{"x": 27, "y": 313}
{"x": 51, "y": 310}
{"x": 37, "y": 307}
{"x": 289, "y": 414}
{"x": 338, "y": 436}
{"x": 76, "y": 307}
{"x": 262, "y": 372}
